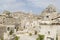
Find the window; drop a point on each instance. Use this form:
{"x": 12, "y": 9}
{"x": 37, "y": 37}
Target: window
{"x": 15, "y": 27}
{"x": 35, "y": 32}
{"x": 48, "y": 32}
{"x": 8, "y": 28}
{"x": 47, "y": 16}
{"x": 40, "y": 27}
{"x": 34, "y": 27}
{"x": 24, "y": 26}
{"x": 52, "y": 19}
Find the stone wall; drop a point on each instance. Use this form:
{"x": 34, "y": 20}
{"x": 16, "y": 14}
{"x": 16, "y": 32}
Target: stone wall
{"x": 2, "y": 30}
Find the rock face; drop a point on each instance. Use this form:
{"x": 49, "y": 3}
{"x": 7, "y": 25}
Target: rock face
{"x": 51, "y": 8}
{"x": 49, "y": 13}
{"x": 24, "y": 23}
{"x": 2, "y": 30}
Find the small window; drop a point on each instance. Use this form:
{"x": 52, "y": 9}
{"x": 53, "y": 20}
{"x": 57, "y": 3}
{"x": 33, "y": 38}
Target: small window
{"x": 34, "y": 27}
{"x": 35, "y": 32}
{"x": 48, "y": 32}
{"x": 47, "y": 16}
{"x": 15, "y": 27}
{"x": 8, "y": 28}
{"x": 40, "y": 27}
{"x": 52, "y": 19}
{"x": 24, "y": 26}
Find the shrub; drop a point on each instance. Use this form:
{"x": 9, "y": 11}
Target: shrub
{"x": 56, "y": 38}
{"x": 1, "y": 38}
{"x": 40, "y": 37}
{"x": 16, "y": 38}
{"x": 30, "y": 34}
{"x": 11, "y": 32}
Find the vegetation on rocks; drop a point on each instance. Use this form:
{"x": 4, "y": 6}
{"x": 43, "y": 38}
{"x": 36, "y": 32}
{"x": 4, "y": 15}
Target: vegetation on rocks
{"x": 11, "y": 32}
{"x": 40, "y": 37}
{"x": 30, "y": 34}
{"x": 16, "y": 38}
{"x": 1, "y": 38}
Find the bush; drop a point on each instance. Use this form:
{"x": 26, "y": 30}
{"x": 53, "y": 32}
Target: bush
{"x": 30, "y": 34}
{"x": 16, "y": 38}
{"x": 40, "y": 37}
{"x": 1, "y": 38}
{"x": 56, "y": 38}
{"x": 35, "y": 32}
{"x": 11, "y": 32}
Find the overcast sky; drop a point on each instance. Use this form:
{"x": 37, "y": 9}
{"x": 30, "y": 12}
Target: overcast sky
{"x": 36, "y": 6}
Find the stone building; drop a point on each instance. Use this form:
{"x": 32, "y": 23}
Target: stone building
{"x": 47, "y": 23}
{"x": 2, "y": 31}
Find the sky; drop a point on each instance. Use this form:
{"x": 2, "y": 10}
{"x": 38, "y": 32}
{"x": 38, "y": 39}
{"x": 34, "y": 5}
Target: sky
{"x": 35, "y": 6}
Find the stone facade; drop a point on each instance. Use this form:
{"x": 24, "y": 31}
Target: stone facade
{"x": 2, "y": 30}
{"x": 21, "y": 23}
